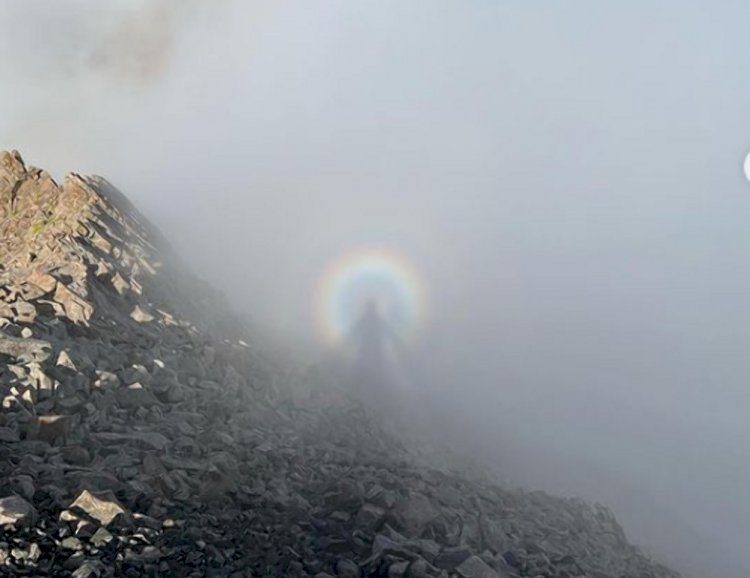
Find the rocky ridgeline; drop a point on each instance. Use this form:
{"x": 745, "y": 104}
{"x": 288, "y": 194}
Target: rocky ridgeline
{"x": 141, "y": 436}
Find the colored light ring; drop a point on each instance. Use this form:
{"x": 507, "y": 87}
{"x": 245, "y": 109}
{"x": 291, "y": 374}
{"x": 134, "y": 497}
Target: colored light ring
{"x": 355, "y": 278}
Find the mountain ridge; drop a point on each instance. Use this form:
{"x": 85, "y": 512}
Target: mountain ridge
{"x": 144, "y": 433}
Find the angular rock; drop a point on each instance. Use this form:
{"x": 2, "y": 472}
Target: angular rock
{"x": 141, "y": 316}
{"x": 475, "y": 567}
{"x": 8, "y": 434}
{"x": 101, "y": 506}
{"x": 419, "y": 569}
{"x": 52, "y": 427}
{"x": 149, "y": 440}
{"x": 74, "y": 307}
{"x": 347, "y": 569}
{"x": 413, "y": 514}
{"x": 76, "y": 455}
{"x": 16, "y": 512}
{"x": 23, "y": 485}
{"x": 135, "y": 396}
{"x": 101, "y": 538}
{"x": 24, "y": 350}
{"x": 64, "y": 360}
{"x": 398, "y": 569}
{"x": 106, "y": 379}
{"x": 369, "y": 518}
{"x": 449, "y": 558}
{"x": 340, "y": 516}
{"x": 89, "y": 569}
{"x": 33, "y": 553}
{"x": 72, "y": 543}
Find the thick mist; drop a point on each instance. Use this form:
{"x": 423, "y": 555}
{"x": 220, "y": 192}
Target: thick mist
{"x": 566, "y": 178}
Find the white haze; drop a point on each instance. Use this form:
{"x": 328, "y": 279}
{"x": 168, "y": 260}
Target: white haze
{"x": 565, "y": 175}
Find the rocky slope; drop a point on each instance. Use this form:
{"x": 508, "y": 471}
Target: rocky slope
{"x": 142, "y": 435}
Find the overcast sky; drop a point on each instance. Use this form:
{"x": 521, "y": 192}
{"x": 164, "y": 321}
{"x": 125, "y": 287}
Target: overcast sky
{"x": 566, "y": 176}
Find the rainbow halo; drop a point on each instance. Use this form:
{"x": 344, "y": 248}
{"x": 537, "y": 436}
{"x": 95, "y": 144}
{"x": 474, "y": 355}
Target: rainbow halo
{"x": 358, "y": 277}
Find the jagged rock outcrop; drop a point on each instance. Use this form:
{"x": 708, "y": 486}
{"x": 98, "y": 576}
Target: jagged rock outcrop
{"x": 140, "y": 434}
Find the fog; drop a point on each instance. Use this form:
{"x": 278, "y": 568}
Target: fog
{"x": 566, "y": 178}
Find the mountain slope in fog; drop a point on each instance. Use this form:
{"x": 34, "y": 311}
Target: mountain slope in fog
{"x": 142, "y": 435}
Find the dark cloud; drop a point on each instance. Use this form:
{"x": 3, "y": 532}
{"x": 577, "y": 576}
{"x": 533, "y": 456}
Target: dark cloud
{"x": 138, "y": 46}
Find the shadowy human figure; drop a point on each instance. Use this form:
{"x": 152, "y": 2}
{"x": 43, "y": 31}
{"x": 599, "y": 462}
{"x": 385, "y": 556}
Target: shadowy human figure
{"x": 375, "y": 366}
{"x": 383, "y": 376}
{"x": 369, "y": 339}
